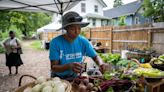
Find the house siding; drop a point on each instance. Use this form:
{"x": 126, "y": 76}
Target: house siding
{"x": 89, "y": 7}
{"x": 128, "y": 20}
{"x": 142, "y": 19}
{"x": 133, "y": 11}
{"x": 98, "y": 22}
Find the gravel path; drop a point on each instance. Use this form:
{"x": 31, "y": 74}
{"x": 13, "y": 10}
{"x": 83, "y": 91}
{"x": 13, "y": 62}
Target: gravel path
{"x": 36, "y": 63}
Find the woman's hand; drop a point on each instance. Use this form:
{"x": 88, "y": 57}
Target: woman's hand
{"x": 14, "y": 47}
{"x": 105, "y": 67}
{"x": 76, "y": 67}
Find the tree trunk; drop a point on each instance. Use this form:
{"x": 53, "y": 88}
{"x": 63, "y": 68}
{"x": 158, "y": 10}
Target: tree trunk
{"x": 24, "y": 31}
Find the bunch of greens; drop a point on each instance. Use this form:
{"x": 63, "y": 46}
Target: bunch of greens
{"x": 161, "y": 57}
{"x": 124, "y": 63}
{"x": 110, "y": 58}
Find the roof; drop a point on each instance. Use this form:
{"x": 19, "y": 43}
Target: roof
{"x": 37, "y": 5}
{"x": 49, "y": 28}
{"x": 127, "y": 9}
{"x": 91, "y": 15}
{"x": 103, "y": 3}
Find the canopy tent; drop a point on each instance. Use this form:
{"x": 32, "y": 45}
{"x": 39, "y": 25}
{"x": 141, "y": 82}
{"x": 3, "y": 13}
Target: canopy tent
{"x": 49, "y": 28}
{"x": 54, "y": 6}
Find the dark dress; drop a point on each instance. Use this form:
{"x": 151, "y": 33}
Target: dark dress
{"x": 13, "y": 59}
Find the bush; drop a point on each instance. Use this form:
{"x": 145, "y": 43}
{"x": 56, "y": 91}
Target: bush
{"x": 2, "y": 49}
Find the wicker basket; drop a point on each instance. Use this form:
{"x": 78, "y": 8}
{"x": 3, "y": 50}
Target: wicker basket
{"x": 32, "y": 84}
{"x": 158, "y": 66}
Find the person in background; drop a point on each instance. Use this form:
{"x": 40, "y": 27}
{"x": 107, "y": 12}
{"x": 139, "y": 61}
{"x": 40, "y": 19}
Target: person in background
{"x": 13, "y": 58}
{"x": 68, "y": 51}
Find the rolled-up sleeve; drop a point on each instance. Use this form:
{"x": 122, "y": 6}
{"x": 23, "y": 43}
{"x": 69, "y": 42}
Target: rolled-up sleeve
{"x": 54, "y": 51}
{"x": 89, "y": 49}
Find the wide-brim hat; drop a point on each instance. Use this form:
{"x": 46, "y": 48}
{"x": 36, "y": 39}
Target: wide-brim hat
{"x": 72, "y": 18}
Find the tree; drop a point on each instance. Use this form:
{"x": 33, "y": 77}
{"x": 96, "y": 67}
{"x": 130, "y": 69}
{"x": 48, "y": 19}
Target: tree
{"x": 25, "y": 21}
{"x": 117, "y": 3}
{"x": 154, "y": 9}
{"x": 122, "y": 21}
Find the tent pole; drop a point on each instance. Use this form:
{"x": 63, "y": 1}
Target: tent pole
{"x": 61, "y": 13}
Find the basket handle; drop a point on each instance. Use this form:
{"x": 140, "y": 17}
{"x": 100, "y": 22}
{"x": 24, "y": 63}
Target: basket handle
{"x": 20, "y": 80}
{"x": 135, "y": 60}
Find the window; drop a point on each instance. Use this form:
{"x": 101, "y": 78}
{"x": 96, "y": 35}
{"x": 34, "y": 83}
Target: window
{"x": 94, "y": 22}
{"x": 136, "y": 20}
{"x": 96, "y": 8}
{"x": 83, "y": 7}
{"x": 102, "y": 24}
{"x": 146, "y": 20}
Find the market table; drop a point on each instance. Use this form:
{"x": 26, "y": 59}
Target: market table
{"x": 156, "y": 86}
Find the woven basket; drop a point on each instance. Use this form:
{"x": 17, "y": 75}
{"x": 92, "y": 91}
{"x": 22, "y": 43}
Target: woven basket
{"x": 32, "y": 84}
{"x": 158, "y": 66}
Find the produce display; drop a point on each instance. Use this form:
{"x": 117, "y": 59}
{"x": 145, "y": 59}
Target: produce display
{"x": 83, "y": 84}
{"x": 158, "y": 62}
{"x": 43, "y": 85}
{"x": 149, "y": 72}
{"x": 98, "y": 84}
{"x": 125, "y": 63}
{"x": 117, "y": 85}
{"x": 161, "y": 57}
{"x": 125, "y": 76}
{"x": 146, "y": 65}
{"x": 110, "y": 58}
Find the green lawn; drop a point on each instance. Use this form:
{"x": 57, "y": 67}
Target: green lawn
{"x": 36, "y": 44}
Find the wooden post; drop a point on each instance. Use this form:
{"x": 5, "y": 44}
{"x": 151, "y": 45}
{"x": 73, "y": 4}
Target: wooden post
{"x": 111, "y": 40}
{"x": 90, "y": 33}
{"x": 149, "y": 38}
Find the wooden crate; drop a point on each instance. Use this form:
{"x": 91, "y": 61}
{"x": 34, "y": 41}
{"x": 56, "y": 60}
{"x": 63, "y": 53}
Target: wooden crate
{"x": 155, "y": 86}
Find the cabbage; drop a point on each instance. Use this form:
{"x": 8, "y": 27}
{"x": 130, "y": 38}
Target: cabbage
{"x": 59, "y": 88}
{"x": 47, "y": 83}
{"x": 37, "y": 88}
{"x": 54, "y": 83}
{"x": 47, "y": 89}
{"x": 40, "y": 80}
{"x": 56, "y": 79}
{"x": 28, "y": 89}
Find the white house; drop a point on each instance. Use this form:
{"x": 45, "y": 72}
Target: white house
{"x": 92, "y": 11}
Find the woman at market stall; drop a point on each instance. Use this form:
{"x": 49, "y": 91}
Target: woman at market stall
{"x": 12, "y": 44}
{"x": 68, "y": 51}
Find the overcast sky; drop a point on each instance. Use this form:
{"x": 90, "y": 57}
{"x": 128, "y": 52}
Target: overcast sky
{"x": 109, "y": 3}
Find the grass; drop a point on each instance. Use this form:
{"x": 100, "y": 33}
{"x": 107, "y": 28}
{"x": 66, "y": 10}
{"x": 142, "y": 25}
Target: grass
{"x": 36, "y": 44}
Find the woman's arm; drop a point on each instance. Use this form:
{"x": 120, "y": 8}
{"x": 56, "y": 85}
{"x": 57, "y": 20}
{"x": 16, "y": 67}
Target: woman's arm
{"x": 98, "y": 60}
{"x": 18, "y": 44}
{"x": 59, "y": 68}
{"x": 75, "y": 66}
{"x": 4, "y": 43}
{"x": 103, "y": 66}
